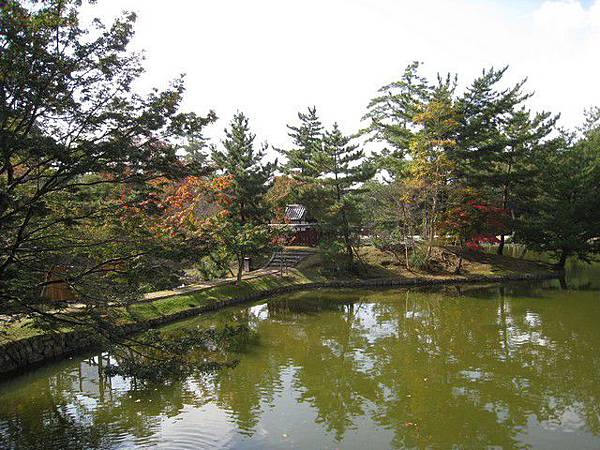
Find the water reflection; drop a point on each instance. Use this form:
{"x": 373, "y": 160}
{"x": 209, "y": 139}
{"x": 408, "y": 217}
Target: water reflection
{"x": 511, "y": 366}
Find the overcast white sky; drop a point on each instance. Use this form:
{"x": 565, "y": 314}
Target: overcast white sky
{"x": 272, "y": 58}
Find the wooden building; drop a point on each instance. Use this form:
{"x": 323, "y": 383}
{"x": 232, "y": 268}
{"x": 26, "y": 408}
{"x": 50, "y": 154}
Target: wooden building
{"x": 303, "y": 227}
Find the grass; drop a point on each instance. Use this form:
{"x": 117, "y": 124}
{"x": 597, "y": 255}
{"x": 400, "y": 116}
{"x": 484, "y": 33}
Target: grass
{"x": 26, "y": 328}
{"x": 20, "y": 329}
{"x": 374, "y": 263}
{"x": 173, "y": 305}
{"x": 382, "y": 264}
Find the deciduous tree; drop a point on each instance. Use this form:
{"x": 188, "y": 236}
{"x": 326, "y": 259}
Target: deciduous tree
{"x": 72, "y": 135}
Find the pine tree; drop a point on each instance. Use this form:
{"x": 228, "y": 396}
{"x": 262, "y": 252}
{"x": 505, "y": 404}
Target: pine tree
{"x": 497, "y": 140}
{"x": 418, "y": 121}
{"x": 307, "y": 139}
{"x": 563, "y": 210}
{"x": 251, "y": 178}
{"x": 390, "y": 118}
{"x": 243, "y": 230}
{"x": 341, "y": 168}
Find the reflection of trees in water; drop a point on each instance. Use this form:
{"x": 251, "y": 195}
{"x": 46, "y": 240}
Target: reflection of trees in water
{"x": 468, "y": 371}
{"x": 475, "y": 371}
{"x": 453, "y": 367}
{"x": 78, "y": 406}
{"x": 329, "y": 376}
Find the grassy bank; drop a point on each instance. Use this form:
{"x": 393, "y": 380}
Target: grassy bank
{"x": 172, "y": 305}
{"x": 373, "y": 264}
{"x": 144, "y": 311}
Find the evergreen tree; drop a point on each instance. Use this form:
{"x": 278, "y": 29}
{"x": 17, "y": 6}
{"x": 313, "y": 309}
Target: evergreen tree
{"x": 307, "y": 140}
{"x": 196, "y": 155}
{"x": 497, "y": 140}
{"x": 251, "y": 178}
{"x": 562, "y": 215}
{"x": 419, "y": 122}
{"x": 244, "y": 228}
{"x": 516, "y": 167}
{"x": 390, "y": 118}
{"x": 341, "y": 168}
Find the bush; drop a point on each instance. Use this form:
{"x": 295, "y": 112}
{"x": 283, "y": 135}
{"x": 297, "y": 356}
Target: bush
{"x": 418, "y": 258}
{"x": 333, "y": 257}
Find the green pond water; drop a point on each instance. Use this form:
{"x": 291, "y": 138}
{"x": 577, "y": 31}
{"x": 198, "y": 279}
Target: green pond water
{"x": 457, "y": 367}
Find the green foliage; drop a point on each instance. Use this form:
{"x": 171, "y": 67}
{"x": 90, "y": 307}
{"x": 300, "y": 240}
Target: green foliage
{"x": 419, "y": 258}
{"x": 390, "y": 115}
{"x": 499, "y": 139}
{"x": 440, "y": 145}
{"x": 76, "y": 144}
{"x": 341, "y": 168}
{"x": 393, "y": 217}
{"x": 334, "y": 259}
{"x": 563, "y": 216}
{"x": 326, "y": 172}
{"x": 242, "y": 227}
{"x": 307, "y": 140}
{"x": 251, "y": 178}
{"x": 419, "y": 122}
{"x": 84, "y": 162}
{"x": 240, "y": 239}
{"x": 215, "y": 265}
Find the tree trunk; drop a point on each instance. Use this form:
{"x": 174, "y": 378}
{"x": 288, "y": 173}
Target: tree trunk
{"x": 405, "y": 236}
{"x": 348, "y": 242}
{"x": 240, "y": 269}
{"x": 504, "y": 206}
{"x": 458, "y": 267}
{"x": 563, "y": 259}
{"x": 524, "y": 253}
{"x": 432, "y": 225}
{"x": 350, "y": 253}
{"x": 346, "y": 231}
{"x": 501, "y": 246}
{"x": 563, "y": 282}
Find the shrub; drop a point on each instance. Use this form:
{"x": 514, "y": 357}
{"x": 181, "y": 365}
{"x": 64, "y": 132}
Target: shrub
{"x": 333, "y": 257}
{"x": 418, "y": 258}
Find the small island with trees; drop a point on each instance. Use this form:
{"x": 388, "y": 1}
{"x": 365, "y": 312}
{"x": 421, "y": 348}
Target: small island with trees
{"x": 108, "y": 195}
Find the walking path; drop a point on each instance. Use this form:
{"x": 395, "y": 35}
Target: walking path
{"x": 191, "y": 288}
{"x": 280, "y": 261}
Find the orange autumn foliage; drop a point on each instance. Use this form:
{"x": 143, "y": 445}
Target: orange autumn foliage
{"x": 183, "y": 207}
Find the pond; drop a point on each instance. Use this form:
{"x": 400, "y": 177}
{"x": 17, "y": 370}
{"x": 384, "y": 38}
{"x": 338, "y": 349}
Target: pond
{"x": 497, "y": 366}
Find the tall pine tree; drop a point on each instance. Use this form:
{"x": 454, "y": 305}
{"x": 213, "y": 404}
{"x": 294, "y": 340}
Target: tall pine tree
{"x": 341, "y": 168}
{"x": 251, "y": 177}
{"x": 307, "y": 139}
{"x": 243, "y": 229}
{"x": 497, "y": 140}
{"x": 563, "y": 209}
{"x": 390, "y": 118}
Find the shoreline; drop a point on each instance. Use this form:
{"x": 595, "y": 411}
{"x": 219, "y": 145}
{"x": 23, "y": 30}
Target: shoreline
{"x": 19, "y": 356}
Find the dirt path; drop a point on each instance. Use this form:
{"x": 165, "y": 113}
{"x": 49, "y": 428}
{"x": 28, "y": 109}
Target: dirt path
{"x": 191, "y": 288}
